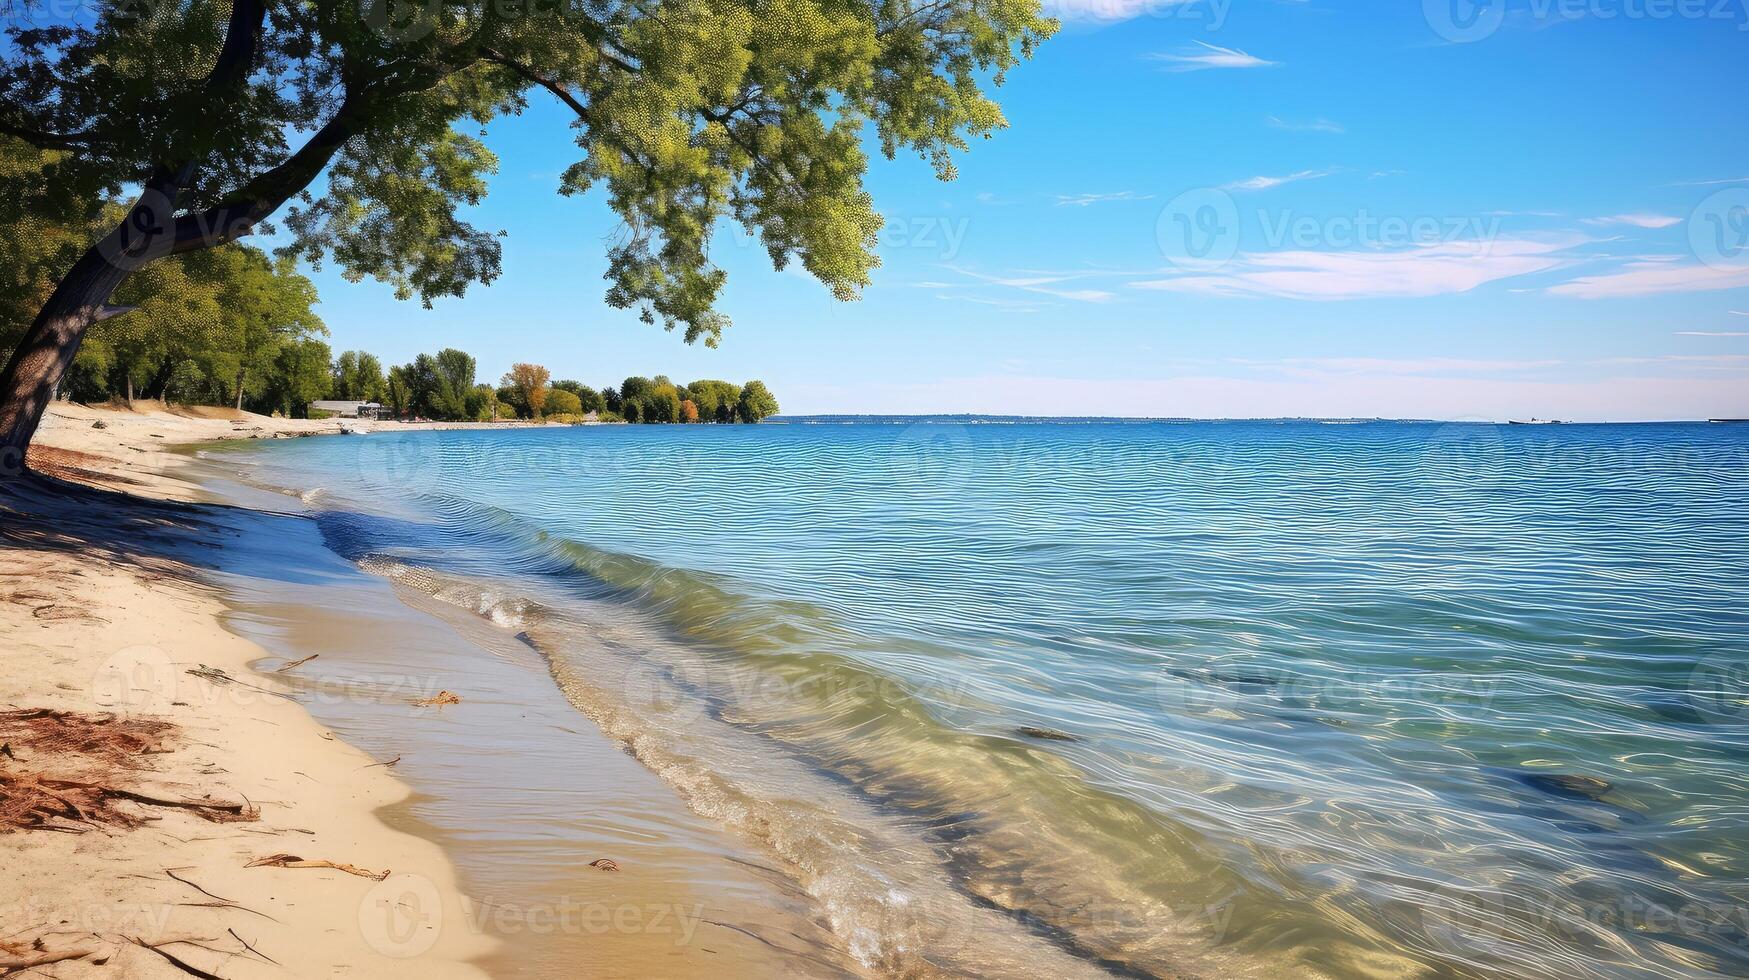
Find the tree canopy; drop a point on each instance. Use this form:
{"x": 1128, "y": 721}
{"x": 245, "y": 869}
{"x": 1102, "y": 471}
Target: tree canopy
{"x": 687, "y": 112}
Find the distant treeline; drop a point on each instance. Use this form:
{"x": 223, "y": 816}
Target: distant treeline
{"x": 233, "y": 326}
{"x": 441, "y": 387}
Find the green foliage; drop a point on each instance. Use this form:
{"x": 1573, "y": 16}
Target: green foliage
{"x": 562, "y": 402}
{"x": 206, "y": 327}
{"x": 687, "y": 114}
{"x": 756, "y": 403}
{"x": 303, "y": 374}
{"x": 358, "y": 376}
{"x": 716, "y": 400}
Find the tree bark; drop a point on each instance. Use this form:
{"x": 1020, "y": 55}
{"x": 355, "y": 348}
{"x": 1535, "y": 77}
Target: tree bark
{"x": 41, "y": 359}
{"x": 240, "y": 373}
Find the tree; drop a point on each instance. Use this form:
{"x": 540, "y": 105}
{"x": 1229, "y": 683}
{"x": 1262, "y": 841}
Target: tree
{"x": 358, "y": 376}
{"x": 717, "y": 400}
{"x": 482, "y": 404}
{"x": 398, "y": 391}
{"x": 529, "y": 381}
{"x": 452, "y": 397}
{"x": 265, "y": 304}
{"x": 689, "y": 411}
{"x": 562, "y": 402}
{"x": 304, "y": 374}
{"x": 662, "y": 402}
{"x": 686, "y": 114}
{"x": 757, "y": 402}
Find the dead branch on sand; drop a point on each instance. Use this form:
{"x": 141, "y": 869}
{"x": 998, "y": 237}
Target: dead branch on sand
{"x": 293, "y": 861}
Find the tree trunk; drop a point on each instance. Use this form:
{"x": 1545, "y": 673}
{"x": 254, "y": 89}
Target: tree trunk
{"x": 240, "y": 373}
{"x": 160, "y": 383}
{"x": 128, "y": 373}
{"x": 43, "y": 356}
{"x": 41, "y": 359}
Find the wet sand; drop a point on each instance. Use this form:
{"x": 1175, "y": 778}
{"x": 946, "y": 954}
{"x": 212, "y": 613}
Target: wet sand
{"x": 518, "y": 787}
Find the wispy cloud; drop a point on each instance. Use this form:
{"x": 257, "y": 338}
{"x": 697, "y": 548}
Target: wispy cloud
{"x": 1636, "y": 220}
{"x": 1266, "y": 183}
{"x": 1712, "y": 333}
{"x": 1711, "y": 183}
{"x": 1651, "y": 275}
{"x": 1383, "y": 365}
{"x": 1422, "y": 270}
{"x": 1319, "y": 125}
{"x": 1046, "y": 285}
{"x": 1210, "y": 56}
{"x": 1083, "y": 200}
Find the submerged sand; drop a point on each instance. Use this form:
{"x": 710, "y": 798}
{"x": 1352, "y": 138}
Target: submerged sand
{"x": 490, "y": 838}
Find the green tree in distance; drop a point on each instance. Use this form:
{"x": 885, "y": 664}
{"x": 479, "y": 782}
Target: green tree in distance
{"x": 757, "y": 402}
{"x": 686, "y": 113}
{"x": 562, "y": 402}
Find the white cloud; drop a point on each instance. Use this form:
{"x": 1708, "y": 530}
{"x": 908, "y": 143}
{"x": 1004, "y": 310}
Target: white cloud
{"x": 1637, "y": 220}
{"x": 1083, "y": 200}
{"x": 1265, "y": 183}
{"x": 1712, "y": 333}
{"x": 1043, "y": 284}
{"x": 1319, "y": 125}
{"x": 1650, "y": 275}
{"x": 1423, "y": 270}
{"x": 1212, "y": 56}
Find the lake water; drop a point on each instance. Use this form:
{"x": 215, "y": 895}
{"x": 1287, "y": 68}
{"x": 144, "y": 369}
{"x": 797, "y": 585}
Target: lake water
{"x": 1142, "y": 699}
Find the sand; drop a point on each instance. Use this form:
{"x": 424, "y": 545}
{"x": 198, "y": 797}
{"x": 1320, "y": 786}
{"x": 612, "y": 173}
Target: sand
{"x": 90, "y": 626}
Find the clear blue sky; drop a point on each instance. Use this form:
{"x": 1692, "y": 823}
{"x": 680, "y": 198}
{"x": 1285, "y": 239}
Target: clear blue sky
{"x": 1394, "y": 209}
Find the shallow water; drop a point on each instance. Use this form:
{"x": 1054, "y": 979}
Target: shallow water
{"x": 1155, "y": 699}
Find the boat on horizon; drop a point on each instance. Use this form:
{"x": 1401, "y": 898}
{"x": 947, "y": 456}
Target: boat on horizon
{"x": 1535, "y": 421}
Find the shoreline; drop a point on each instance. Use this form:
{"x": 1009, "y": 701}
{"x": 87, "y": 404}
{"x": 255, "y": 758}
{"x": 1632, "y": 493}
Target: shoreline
{"x": 247, "y": 598}
{"x": 108, "y": 617}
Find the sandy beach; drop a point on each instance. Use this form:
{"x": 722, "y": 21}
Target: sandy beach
{"x": 156, "y": 637}
{"x": 101, "y": 633}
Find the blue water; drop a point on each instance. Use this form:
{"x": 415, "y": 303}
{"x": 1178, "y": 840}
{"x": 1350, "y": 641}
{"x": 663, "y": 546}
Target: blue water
{"x": 1214, "y": 698}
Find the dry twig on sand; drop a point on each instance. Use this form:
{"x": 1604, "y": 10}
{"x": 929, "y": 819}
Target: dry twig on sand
{"x": 297, "y": 663}
{"x": 440, "y": 698}
{"x": 293, "y": 861}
